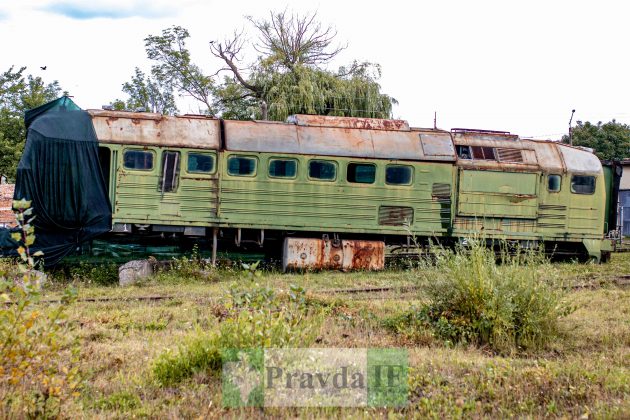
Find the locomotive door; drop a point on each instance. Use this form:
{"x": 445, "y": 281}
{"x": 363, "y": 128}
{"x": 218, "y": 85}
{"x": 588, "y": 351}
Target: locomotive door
{"x": 199, "y": 189}
{"x": 168, "y": 183}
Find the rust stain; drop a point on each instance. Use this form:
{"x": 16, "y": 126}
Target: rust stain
{"x": 349, "y": 122}
{"x": 320, "y": 254}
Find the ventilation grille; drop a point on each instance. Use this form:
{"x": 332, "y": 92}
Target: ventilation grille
{"x": 395, "y": 216}
{"x": 510, "y": 155}
{"x": 441, "y": 191}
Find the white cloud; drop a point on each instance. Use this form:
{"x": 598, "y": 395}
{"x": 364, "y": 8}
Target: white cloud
{"x": 112, "y": 9}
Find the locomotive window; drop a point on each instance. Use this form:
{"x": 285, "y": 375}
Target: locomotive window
{"x": 463, "y": 152}
{"x": 282, "y": 168}
{"x": 398, "y": 175}
{"x": 483, "y": 153}
{"x": 553, "y": 183}
{"x": 139, "y": 160}
{"x": 241, "y": 166}
{"x": 361, "y": 173}
{"x": 322, "y": 170}
{"x": 581, "y": 184}
{"x": 170, "y": 172}
{"x": 200, "y": 163}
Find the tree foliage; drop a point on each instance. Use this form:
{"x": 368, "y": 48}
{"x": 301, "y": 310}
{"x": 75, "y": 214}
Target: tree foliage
{"x": 287, "y": 77}
{"x": 148, "y": 94}
{"x": 175, "y": 69}
{"x": 609, "y": 140}
{"x": 19, "y": 93}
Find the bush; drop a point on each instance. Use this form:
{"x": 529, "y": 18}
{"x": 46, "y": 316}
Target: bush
{"x": 506, "y": 306}
{"x": 256, "y": 317}
{"x": 38, "y": 364}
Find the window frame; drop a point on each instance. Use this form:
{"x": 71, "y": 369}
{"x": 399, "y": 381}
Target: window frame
{"x": 411, "y": 178}
{"x": 151, "y": 152}
{"x": 333, "y": 162}
{"x": 204, "y": 153}
{"x": 361, "y": 164}
{"x": 177, "y": 171}
{"x": 252, "y": 175}
{"x": 584, "y": 176}
{"x": 273, "y": 159}
{"x": 560, "y": 183}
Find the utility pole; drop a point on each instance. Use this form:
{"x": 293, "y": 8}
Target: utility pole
{"x": 570, "y": 128}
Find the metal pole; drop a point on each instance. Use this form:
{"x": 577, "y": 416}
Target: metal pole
{"x": 215, "y": 232}
{"x": 570, "y": 128}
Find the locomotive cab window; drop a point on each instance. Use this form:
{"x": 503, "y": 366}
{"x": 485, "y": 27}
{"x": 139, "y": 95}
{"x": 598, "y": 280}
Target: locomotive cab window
{"x": 170, "y": 171}
{"x": 582, "y": 184}
{"x": 322, "y": 170}
{"x": 282, "y": 168}
{"x": 139, "y": 160}
{"x": 398, "y": 175}
{"x": 241, "y": 166}
{"x": 361, "y": 173}
{"x": 202, "y": 163}
{"x": 554, "y": 182}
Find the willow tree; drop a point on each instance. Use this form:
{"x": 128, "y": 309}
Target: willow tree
{"x": 290, "y": 77}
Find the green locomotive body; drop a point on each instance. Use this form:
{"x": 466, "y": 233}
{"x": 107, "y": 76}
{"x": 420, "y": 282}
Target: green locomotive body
{"x": 360, "y": 179}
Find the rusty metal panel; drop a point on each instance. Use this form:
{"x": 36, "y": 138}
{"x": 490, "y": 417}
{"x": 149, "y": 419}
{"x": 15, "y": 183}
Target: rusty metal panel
{"x": 149, "y": 129}
{"x": 579, "y": 161}
{"x": 320, "y": 254}
{"x": 348, "y": 122}
{"x": 261, "y": 136}
{"x": 437, "y": 144}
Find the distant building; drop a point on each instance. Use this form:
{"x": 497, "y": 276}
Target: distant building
{"x": 624, "y": 199}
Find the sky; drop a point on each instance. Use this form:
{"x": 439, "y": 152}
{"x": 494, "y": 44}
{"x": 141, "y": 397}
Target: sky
{"x": 518, "y": 66}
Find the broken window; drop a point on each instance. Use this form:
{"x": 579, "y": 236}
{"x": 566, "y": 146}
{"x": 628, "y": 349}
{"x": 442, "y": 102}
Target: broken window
{"x": 581, "y": 184}
{"x": 554, "y": 182}
{"x": 170, "y": 172}
{"x": 398, "y": 175}
{"x": 200, "y": 163}
{"x": 282, "y": 168}
{"x": 361, "y": 173}
{"x": 322, "y": 170}
{"x": 140, "y": 160}
{"x": 241, "y": 166}
{"x": 483, "y": 153}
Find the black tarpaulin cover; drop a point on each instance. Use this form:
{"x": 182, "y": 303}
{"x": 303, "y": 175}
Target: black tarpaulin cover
{"x": 60, "y": 173}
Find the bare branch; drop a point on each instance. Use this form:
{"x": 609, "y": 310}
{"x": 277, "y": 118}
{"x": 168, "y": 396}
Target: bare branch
{"x": 292, "y": 39}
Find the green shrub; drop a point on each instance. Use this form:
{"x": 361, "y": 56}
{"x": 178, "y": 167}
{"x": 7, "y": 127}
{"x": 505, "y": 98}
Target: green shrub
{"x": 507, "y": 306}
{"x": 39, "y": 374}
{"x": 257, "y": 317}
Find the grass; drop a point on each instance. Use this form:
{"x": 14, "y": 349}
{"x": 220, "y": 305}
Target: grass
{"x": 583, "y": 371}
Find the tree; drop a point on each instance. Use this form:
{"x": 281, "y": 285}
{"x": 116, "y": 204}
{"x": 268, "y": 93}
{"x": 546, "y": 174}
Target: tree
{"x": 174, "y": 68}
{"x": 148, "y": 94}
{"x": 288, "y": 77}
{"x": 609, "y": 141}
{"x": 19, "y": 93}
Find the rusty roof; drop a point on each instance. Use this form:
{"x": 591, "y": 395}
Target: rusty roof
{"x": 399, "y": 144}
{"x": 545, "y": 155}
{"x": 150, "y": 129}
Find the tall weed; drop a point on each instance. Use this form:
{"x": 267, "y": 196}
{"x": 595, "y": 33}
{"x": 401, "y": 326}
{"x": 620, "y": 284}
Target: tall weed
{"x": 507, "y": 305}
